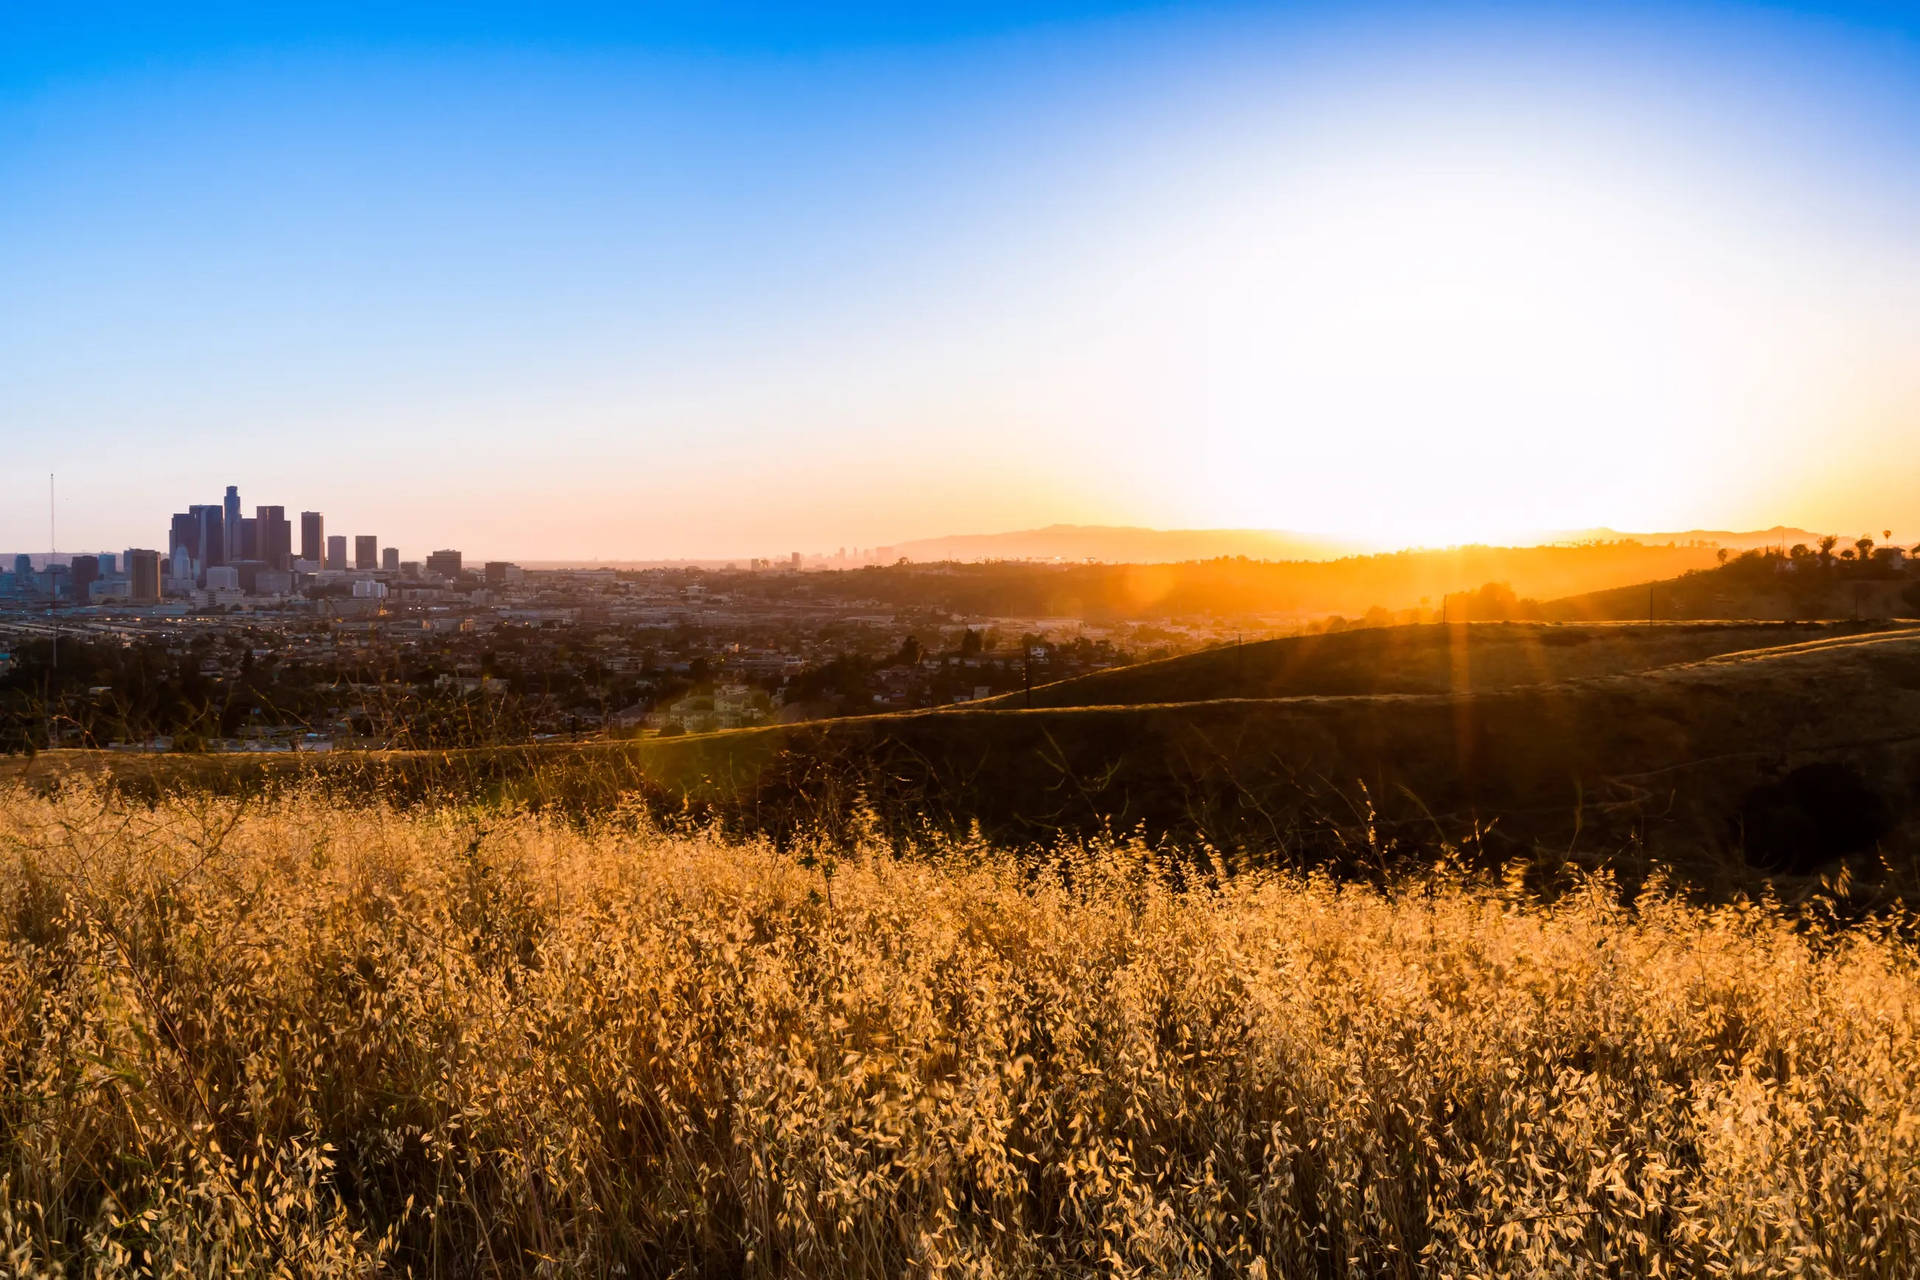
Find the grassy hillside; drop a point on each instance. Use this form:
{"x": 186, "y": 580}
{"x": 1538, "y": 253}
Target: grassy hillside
{"x": 1414, "y": 659}
{"x": 1299, "y": 588}
{"x": 1743, "y": 590}
{"x": 301, "y": 1038}
{"x": 1788, "y": 758}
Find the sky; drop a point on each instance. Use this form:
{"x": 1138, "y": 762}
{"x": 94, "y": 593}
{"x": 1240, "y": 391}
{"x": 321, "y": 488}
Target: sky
{"x": 650, "y": 281}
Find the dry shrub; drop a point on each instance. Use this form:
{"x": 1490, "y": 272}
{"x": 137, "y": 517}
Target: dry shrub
{"x": 303, "y": 1037}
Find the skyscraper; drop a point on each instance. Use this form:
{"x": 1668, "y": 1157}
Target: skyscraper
{"x": 143, "y": 576}
{"x": 336, "y": 551}
{"x": 390, "y": 559}
{"x": 233, "y": 522}
{"x": 209, "y": 546}
{"x": 247, "y": 542}
{"x": 445, "y": 563}
{"x": 313, "y": 536}
{"x": 86, "y": 571}
{"x": 274, "y": 535}
{"x": 183, "y": 545}
{"x": 366, "y": 551}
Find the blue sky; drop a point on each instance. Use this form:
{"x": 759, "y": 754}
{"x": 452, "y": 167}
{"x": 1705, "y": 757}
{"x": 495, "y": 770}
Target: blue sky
{"x": 633, "y": 281}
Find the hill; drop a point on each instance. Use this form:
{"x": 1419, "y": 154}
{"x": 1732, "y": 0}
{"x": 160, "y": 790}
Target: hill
{"x": 1119, "y": 544}
{"x": 1779, "y": 759}
{"x": 1779, "y": 535}
{"x": 1413, "y": 659}
{"x": 1757, "y": 585}
{"x": 1231, "y": 587}
{"x": 1123, "y": 544}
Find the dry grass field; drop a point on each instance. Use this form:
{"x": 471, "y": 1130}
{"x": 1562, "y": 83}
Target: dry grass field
{"x": 299, "y": 1036}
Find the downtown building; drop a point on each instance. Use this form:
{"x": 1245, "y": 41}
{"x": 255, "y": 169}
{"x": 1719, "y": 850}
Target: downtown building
{"x": 313, "y": 537}
{"x": 273, "y": 533}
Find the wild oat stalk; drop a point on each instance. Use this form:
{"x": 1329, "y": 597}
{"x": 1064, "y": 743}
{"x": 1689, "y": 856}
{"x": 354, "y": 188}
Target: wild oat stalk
{"x": 307, "y": 1037}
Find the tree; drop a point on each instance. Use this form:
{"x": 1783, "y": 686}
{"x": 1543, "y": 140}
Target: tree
{"x": 910, "y": 652}
{"x": 1799, "y": 551}
{"x": 1827, "y": 545}
{"x": 1864, "y": 545}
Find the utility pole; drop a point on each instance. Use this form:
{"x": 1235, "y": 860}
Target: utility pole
{"x": 53, "y": 613}
{"x": 53, "y": 545}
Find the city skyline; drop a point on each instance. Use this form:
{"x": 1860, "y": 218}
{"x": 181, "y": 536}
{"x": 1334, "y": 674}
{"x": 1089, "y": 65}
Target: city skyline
{"x": 218, "y": 534}
{"x": 708, "y": 283}
{"x": 212, "y": 554}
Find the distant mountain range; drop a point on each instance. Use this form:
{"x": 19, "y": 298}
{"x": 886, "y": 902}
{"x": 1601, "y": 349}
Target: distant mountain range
{"x": 1119, "y": 544}
{"x": 1737, "y": 540}
{"x": 1127, "y": 544}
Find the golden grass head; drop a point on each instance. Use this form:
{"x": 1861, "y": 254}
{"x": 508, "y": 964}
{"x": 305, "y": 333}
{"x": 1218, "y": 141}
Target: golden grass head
{"x": 316, "y": 1037}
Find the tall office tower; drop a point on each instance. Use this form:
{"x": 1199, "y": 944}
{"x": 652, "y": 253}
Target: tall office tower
{"x": 445, "y": 563}
{"x": 183, "y": 544}
{"x": 143, "y": 576}
{"x": 108, "y": 565}
{"x": 366, "y": 551}
{"x": 336, "y": 551}
{"x": 273, "y": 534}
{"x": 209, "y": 546}
{"x": 313, "y": 536}
{"x": 86, "y": 571}
{"x": 233, "y": 522}
{"x": 246, "y": 544}
{"x": 390, "y": 559}
{"x": 23, "y": 567}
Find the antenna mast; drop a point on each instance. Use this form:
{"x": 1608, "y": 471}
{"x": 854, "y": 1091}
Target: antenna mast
{"x": 53, "y": 603}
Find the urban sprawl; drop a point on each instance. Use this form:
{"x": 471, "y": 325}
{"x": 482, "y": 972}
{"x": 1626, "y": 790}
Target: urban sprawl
{"x": 253, "y": 633}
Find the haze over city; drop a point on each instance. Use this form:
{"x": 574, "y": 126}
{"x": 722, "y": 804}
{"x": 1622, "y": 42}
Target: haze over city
{"x": 564, "y": 282}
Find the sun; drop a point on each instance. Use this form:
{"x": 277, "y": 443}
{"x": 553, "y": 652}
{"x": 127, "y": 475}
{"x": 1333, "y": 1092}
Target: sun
{"x": 1430, "y": 353}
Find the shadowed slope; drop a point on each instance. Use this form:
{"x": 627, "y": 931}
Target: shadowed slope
{"x": 1416, "y": 659}
{"x": 1678, "y": 762}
